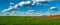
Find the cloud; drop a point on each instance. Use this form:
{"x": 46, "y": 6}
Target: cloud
{"x": 5, "y": 14}
{"x": 17, "y": 13}
{"x": 11, "y": 3}
{"x": 29, "y": 12}
{"x": 27, "y": 2}
{"x": 53, "y": 8}
{"x": 52, "y": 0}
{"x": 4, "y": 10}
{"x": 16, "y": 5}
{"x": 21, "y": 3}
{"x": 13, "y": 13}
{"x": 37, "y": 1}
{"x": 33, "y": 13}
{"x": 24, "y": 3}
{"x": 43, "y": 2}
{"x": 40, "y": 2}
{"x": 10, "y": 7}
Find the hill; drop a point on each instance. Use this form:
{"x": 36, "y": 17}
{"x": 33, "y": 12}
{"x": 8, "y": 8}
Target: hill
{"x": 49, "y": 17}
{"x": 29, "y": 20}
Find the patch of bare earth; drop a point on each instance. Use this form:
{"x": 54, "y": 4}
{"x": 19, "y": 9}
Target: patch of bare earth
{"x": 49, "y": 17}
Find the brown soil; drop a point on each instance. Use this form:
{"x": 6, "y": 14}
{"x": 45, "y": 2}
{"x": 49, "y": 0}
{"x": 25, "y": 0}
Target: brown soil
{"x": 49, "y": 17}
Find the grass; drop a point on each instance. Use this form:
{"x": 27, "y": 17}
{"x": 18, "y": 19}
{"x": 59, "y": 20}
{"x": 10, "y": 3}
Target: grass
{"x": 27, "y": 20}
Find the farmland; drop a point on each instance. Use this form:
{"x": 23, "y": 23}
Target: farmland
{"x": 30, "y": 20}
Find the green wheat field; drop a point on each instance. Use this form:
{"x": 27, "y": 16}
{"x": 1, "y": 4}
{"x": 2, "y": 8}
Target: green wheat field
{"x": 27, "y": 20}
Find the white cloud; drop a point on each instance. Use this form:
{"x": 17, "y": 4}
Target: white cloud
{"x": 5, "y": 14}
{"x": 12, "y": 13}
{"x": 53, "y": 0}
{"x": 27, "y": 2}
{"x": 4, "y": 10}
{"x": 24, "y": 3}
{"x": 36, "y": 1}
{"x": 10, "y": 7}
{"x": 40, "y": 2}
{"x": 11, "y": 3}
{"x": 21, "y": 3}
{"x": 16, "y": 5}
{"x": 52, "y": 8}
{"x": 29, "y": 12}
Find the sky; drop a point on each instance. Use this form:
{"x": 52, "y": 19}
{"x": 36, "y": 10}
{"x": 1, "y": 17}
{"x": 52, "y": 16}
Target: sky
{"x": 29, "y": 7}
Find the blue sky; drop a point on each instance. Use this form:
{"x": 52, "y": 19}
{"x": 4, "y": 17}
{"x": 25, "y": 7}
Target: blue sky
{"x": 43, "y": 8}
